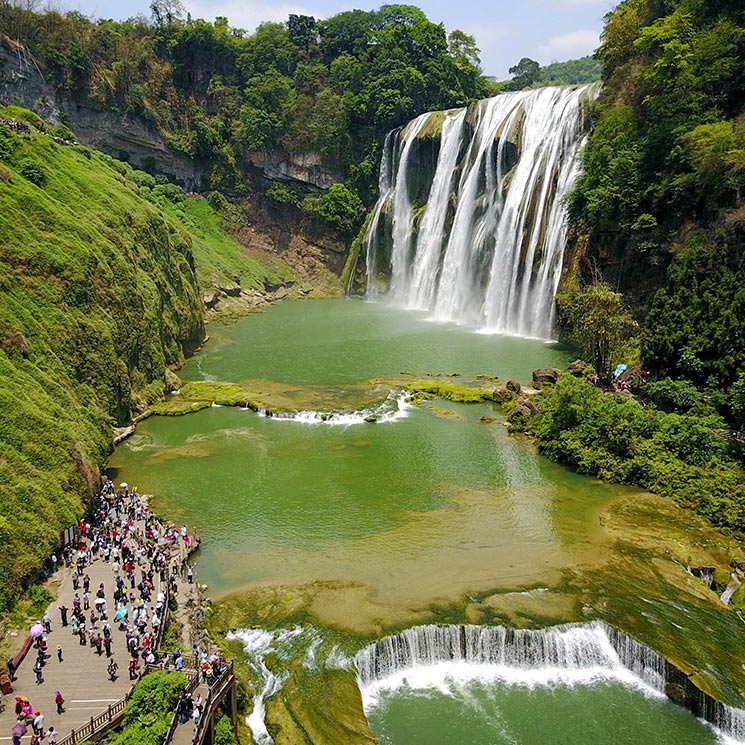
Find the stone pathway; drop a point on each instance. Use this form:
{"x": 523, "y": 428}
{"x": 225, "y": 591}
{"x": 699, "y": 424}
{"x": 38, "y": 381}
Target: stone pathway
{"x": 81, "y": 677}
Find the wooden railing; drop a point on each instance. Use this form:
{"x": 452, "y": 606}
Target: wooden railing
{"x": 216, "y": 692}
{"x": 192, "y": 677}
{"x": 100, "y": 724}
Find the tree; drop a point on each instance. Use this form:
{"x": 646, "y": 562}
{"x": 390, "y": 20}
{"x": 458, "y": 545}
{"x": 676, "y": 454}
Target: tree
{"x": 167, "y": 12}
{"x": 524, "y": 74}
{"x": 595, "y": 319}
{"x": 463, "y": 47}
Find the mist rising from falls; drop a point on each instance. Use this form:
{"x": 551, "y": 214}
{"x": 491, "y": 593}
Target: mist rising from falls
{"x": 478, "y": 236}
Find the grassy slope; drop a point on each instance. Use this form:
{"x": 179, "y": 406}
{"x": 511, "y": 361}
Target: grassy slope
{"x": 98, "y": 294}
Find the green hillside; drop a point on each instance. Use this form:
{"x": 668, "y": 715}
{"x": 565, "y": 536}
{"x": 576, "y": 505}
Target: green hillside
{"x": 99, "y": 293}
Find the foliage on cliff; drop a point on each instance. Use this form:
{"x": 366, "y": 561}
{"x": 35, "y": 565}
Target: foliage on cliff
{"x": 333, "y": 86}
{"x": 528, "y": 73}
{"x": 660, "y": 202}
{"x": 684, "y": 454}
{"x": 98, "y": 294}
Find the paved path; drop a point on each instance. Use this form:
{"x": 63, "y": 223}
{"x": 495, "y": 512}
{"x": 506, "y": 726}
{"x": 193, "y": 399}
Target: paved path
{"x": 81, "y": 677}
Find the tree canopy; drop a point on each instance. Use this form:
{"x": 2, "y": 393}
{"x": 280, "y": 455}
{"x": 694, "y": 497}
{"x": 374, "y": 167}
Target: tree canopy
{"x": 333, "y": 86}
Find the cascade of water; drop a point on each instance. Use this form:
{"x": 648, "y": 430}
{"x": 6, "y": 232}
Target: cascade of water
{"x": 403, "y": 214}
{"x": 369, "y": 243}
{"x": 503, "y": 170}
{"x": 421, "y": 289}
{"x": 601, "y": 650}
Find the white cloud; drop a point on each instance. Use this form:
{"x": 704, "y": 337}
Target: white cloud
{"x": 490, "y": 39}
{"x": 575, "y": 44}
{"x": 247, "y": 15}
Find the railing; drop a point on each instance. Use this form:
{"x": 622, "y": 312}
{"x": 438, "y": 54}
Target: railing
{"x": 100, "y": 724}
{"x": 191, "y": 686}
{"x": 27, "y": 642}
{"x": 216, "y": 692}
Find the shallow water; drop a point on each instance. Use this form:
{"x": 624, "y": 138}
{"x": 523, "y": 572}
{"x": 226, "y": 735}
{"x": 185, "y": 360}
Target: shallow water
{"x": 330, "y": 342}
{"x": 432, "y": 510}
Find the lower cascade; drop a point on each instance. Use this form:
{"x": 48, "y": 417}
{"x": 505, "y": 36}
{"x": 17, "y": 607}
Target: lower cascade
{"x": 470, "y": 223}
{"x": 559, "y": 654}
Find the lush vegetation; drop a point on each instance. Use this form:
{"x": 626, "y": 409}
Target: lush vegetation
{"x": 98, "y": 296}
{"x": 659, "y": 207}
{"x": 684, "y": 453}
{"x": 334, "y": 86}
{"x": 595, "y": 320}
{"x": 148, "y": 713}
{"x": 528, "y": 73}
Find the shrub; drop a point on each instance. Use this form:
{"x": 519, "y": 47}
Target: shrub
{"x": 33, "y": 172}
{"x": 284, "y": 195}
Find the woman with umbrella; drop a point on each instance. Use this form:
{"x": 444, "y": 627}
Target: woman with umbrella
{"x": 18, "y": 731}
{"x": 36, "y": 632}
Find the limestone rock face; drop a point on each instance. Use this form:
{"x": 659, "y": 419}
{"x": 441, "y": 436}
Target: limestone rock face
{"x": 513, "y": 385}
{"x": 109, "y": 131}
{"x": 305, "y": 168}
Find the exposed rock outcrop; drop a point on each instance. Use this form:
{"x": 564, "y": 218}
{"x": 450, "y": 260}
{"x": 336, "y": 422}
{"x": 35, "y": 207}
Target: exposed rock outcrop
{"x": 113, "y": 133}
{"x": 545, "y": 375}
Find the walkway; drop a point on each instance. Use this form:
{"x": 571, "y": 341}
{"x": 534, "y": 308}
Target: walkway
{"x": 81, "y": 677}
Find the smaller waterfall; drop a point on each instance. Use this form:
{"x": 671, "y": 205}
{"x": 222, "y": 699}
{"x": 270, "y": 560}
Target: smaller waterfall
{"x": 556, "y": 653}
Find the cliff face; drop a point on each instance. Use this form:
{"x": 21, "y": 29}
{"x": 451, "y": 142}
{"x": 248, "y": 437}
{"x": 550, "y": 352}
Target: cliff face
{"x": 128, "y": 139}
{"x": 115, "y": 134}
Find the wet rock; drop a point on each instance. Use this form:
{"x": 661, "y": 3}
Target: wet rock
{"x": 487, "y": 419}
{"x": 281, "y": 293}
{"x": 545, "y": 375}
{"x": 522, "y": 409}
{"x": 513, "y": 385}
{"x": 371, "y": 419}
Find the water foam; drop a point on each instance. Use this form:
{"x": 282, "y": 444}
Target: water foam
{"x": 393, "y": 409}
{"x": 450, "y": 658}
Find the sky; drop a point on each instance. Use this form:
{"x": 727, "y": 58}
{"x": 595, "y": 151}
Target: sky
{"x": 505, "y": 30}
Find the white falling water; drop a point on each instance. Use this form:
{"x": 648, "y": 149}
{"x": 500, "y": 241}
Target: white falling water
{"x": 487, "y": 248}
{"x": 428, "y": 656}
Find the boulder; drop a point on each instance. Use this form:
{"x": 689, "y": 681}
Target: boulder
{"x": 502, "y": 395}
{"x": 578, "y": 368}
{"x": 230, "y": 290}
{"x": 513, "y": 385}
{"x": 522, "y": 408}
{"x": 210, "y": 299}
{"x": 545, "y": 375}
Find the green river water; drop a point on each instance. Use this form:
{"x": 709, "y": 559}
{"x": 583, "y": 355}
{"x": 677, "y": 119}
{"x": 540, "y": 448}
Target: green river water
{"x": 390, "y": 522}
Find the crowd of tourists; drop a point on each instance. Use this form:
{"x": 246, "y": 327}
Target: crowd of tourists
{"x": 145, "y": 559}
{"x": 15, "y": 124}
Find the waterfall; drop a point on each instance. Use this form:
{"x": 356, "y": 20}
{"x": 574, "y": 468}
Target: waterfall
{"x": 559, "y": 653}
{"x": 478, "y": 237}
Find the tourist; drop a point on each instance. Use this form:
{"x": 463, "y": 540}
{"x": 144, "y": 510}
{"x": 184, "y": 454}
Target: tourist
{"x": 11, "y": 669}
{"x": 196, "y": 715}
{"x": 59, "y": 701}
{"x": 38, "y": 672}
{"x": 59, "y": 653}
{"x": 47, "y": 621}
{"x": 38, "y": 723}
{"x": 63, "y": 613}
{"x": 111, "y": 670}
{"x": 51, "y": 736}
